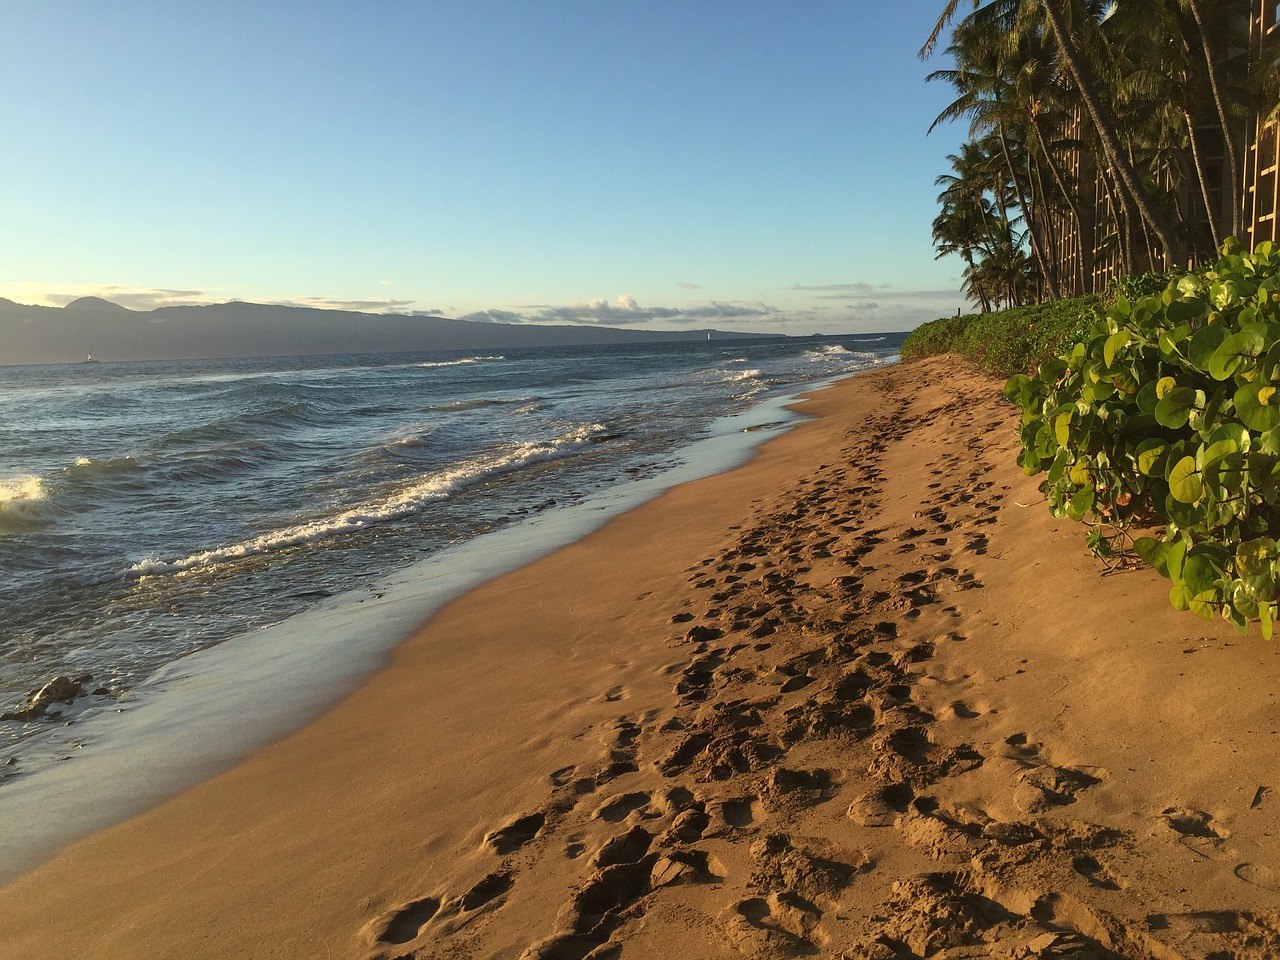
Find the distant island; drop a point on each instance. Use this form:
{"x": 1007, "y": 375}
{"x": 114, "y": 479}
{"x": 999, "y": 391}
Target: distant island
{"x": 108, "y": 331}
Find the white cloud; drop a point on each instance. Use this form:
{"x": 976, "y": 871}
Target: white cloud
{"x": 842, "y": 289}
{"x": 360, "y": 306}
{"x": 493, "y": 316}
{"x": 626, "y": 310}
{"x": 133, "y": 298}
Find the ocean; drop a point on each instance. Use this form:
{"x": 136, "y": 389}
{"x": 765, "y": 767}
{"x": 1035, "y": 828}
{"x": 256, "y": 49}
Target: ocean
{"x": 152, "y": 510}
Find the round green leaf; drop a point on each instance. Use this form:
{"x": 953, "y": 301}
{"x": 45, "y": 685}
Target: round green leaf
{"x": 1062, "y": 427}
{"x": 1216, "y": 451}
{"x": 1204, "y": 605}
{"x": 1243, "y": 600}
{"x": 1147, "y": 398}
{"x": 1237, "y": 349}
{"x": 1175, "y": 408}
{"x": 1203, "y": 567}
{"x": 1155, "y": 552}
{"x": 1081, "y": 503}
{"x": 1115, "y": 343}
{"x": 1204, "y": 343}
{"x": 1185, "y": 484}
{"x": 1258, "y": 406}
{"x": 1019, "y": 391}
{"x": 1151, "y": 456}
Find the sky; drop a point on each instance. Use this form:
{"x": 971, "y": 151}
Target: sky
{"x": 746, "y": 165}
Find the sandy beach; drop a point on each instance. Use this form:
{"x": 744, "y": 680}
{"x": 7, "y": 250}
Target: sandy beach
{"x": 860, "y": 697}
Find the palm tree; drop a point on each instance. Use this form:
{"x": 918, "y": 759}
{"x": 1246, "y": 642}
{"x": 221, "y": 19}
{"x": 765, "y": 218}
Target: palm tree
{"x": 1105, "y": 123}
{"x": 972, "y": 210}
{"x": 984, "y": 85}
{"x": 1208, "y": 41}
{"x": 1056, "y": 14}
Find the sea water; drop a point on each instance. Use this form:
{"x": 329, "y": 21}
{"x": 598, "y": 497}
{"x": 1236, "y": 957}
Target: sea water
{"x": 152, "y": 510}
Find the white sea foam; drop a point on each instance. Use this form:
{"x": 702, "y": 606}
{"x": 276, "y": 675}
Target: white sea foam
{"x": 410, "y": 442}
{"x": 738, "y": 376}
{"x": 22, "y": 502}
{"x": 19, "y": 490}
{"x": 87, "y": 466}
{"x": 407, "y": 501}
{"x": 459, "y": 362}
{"x": 476, "y": 403}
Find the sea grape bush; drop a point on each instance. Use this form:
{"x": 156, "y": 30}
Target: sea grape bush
{"x": 1168, "y": 414}
{"x": 1005, "y": 341}
{"x": 1137, "y": 287}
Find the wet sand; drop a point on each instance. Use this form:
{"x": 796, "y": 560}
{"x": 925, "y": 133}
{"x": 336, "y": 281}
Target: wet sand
{"x": 859, "y": 697}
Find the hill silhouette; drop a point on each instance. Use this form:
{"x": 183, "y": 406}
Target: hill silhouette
{"x": 34, "y": 334}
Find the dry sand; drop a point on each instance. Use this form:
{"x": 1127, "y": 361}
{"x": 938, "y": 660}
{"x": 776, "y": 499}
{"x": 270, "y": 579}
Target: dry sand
{"x": 850, "y": 699}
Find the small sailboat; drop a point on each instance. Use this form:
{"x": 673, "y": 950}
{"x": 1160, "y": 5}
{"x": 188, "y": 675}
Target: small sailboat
{"x": 89, "y": 358}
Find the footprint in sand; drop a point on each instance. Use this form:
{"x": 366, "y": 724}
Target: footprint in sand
{"x": 1045, "y": 786}
{"x": 595, "y": 911}
{"x": 1259, "y": 875}
{"x": 688, "y": 826}
{"x": 742, "y": 812}
{"x": 1088, "y": 867}
{"x": 486, "y": 891}
{"x": 514, "y": 835}
{"x": 881, "y": 806}
{"x": 626, "y": 847}
{"x": 1192, "y": 823}
{"x": 619, "y": 808}
{"x": 404, "y": 923}
{"x": 773, "y": 926}
{"x": 444, "y": 916}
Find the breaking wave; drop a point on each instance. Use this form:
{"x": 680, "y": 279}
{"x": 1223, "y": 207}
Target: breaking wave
{"x": 23, "y": 503}
{"x": 462, "y": 361}
{"x": 408, "y": 500}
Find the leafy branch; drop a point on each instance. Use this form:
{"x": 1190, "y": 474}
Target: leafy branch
{"x": 1169, "y": 409}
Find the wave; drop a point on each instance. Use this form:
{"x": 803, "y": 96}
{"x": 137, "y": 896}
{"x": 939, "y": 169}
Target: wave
{"x": 87, "y": 467}
{"x": 407, "y": 501}
{"x": 409, "y": 442}
{"x": 478, "y": 403}
{"x": 458, "y": 363}
{"x": 23, "y": 503}
{"x": 830, "y": 350}
{"x": 738, "y": 376}
{"x": 29, "y": 489}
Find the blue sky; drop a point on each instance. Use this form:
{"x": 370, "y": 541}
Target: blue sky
{"x": 748, "y": 165}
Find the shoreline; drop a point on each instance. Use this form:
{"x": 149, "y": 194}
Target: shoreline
{"x": 203, "y": 713}
{"x": 849, "y": 697}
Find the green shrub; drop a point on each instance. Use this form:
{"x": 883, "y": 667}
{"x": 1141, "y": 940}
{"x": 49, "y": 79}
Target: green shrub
{"x": 1168, "y": 413}
{"x": 1138, "y": 286}
{"x": 1005, "y": 341}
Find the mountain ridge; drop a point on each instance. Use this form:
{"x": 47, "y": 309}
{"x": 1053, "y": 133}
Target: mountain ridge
{"x": 31, "y": 334}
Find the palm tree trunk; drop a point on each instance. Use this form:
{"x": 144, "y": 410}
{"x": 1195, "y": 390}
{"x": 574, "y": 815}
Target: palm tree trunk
{"x": 1106, "y": 128}
{"x": 1228, "y": 140}
{"x": 1204, "y": 186}
{"x": 1050, "y": 233}
{"x": 1120, "y": 213}
{"x": 1068, "y": 196}
{"x": 1027, "y": 215}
